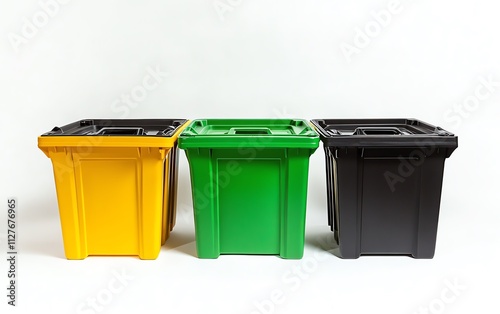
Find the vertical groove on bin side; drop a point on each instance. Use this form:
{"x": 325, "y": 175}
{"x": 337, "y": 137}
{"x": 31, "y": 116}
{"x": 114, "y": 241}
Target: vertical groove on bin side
{"x": 201, "y": 170}
{"x": 140, "y": 199}
{"x": 170, "y": 173}
{"x": 82, "y": 241}
{"x": 359, "y": 196}
{"x": 153, "y": 200}
{"x": 335, "y": 205}
{"x": 71, "y": 222}
{"x": 296, "y": 165}
{"x": 173, "y": 179}
{"x": 420, "y": 209}
{"x": 348, "y": 200}
{"x": 329, "y": 189}
{"x": 433, "y": 170}
{"x": 284, "y": 198}
{"x": 165, "y": 230}
{"x": 214, "y": 200}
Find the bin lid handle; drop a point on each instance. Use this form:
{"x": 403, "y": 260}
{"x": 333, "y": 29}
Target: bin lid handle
{"x": 120, "y": 131}
{"x": 377, "y": 131}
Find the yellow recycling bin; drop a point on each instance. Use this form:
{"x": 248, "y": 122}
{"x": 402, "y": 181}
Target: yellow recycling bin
{"x": 116, "y": 184}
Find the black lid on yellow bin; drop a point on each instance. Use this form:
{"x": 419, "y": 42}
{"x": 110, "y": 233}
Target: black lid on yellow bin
{"x": 119, "y": 127}
{"x": 115, "y": 133}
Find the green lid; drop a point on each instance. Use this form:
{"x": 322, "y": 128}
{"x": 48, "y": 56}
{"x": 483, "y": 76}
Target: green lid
{"x": 234, "y": 133}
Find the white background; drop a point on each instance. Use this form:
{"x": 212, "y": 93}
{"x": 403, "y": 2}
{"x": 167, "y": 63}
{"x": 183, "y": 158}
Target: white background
{"x": 255, "y": 59}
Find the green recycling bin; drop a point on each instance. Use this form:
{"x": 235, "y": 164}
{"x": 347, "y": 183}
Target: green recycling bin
{"x": 249, "y": 183}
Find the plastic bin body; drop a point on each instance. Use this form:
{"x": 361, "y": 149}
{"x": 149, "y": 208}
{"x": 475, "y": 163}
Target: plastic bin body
{"x": 116, "y": 184}
{"x": 249, "y": 184}
{"x": 384, "y": 180}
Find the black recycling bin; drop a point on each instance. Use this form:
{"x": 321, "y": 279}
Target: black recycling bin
{"x": 384, "y": 180}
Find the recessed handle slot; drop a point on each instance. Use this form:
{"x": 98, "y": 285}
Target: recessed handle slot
{"x": 378, "y": 131}
{"x": 250, "y": 131}
{"x": 123, "y": 131}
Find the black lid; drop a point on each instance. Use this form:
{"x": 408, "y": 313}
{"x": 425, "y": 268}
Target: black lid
{"x": 119, "y": 127}
{"x": 383, "y": 133}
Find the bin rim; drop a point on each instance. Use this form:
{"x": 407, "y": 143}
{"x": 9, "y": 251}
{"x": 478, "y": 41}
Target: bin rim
{"x": 49, "y": 139}
{"x": 429, "y": 135}
{"x": 244, "y": 133}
